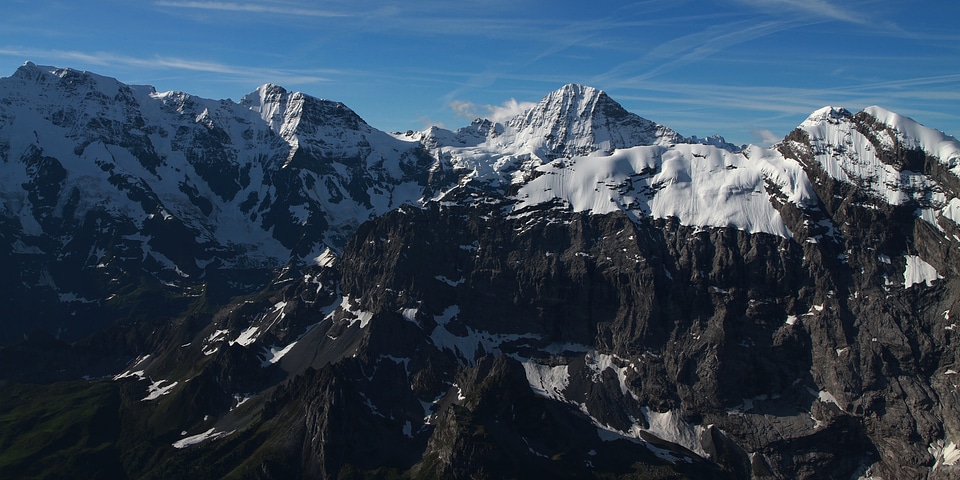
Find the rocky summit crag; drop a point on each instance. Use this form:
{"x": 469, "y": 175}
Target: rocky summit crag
{"x": 275, "y": 289}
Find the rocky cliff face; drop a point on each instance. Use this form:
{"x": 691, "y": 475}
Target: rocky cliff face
{"x": 576, "y": 292}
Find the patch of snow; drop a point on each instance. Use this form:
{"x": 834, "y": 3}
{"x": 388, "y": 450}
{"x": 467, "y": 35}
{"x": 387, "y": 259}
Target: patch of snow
{"x": 359, "y": 316}
{"x": 140, "y": 374}
{"x": 157, "y": 390}
{"x": 211, "y": 434}
{"x": 410, "y": 315}
{"x": 598, "y": 362}
{"x": 817, "y": 424}
{"x": 747, "y": 404}
{"x": 952, "y": 211}
{"x": 918, "y": 271}
{"x": 216, "y": 336}
{"x": 670, "y": 427}
{"x": 247, "y": 337}
{"x": 300, "y": 214}
{"x": 326, "y": 259}
{"x": 929, "y": 215}
{"x": 131, "y": 372}
{"x": 274, "y": 354}
{"x": 946, "y": 454}
{"x": 827, "y": 397}
{"x": 547, "y": 381}
{"x": 241, "y": 399}
{"x": 469, "y": 346}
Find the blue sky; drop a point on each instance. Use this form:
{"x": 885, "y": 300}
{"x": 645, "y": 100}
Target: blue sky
{"x": 750, "y": 70}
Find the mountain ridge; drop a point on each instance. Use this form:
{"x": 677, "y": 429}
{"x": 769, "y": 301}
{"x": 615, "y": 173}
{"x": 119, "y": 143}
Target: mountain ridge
{"x": 273, "y": 288}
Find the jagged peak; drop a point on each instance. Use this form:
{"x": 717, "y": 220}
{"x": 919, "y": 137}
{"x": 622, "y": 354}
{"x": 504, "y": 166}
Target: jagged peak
{"x": 828, "y": 114}
{"x": 70, "y": 78}
{"x": 570, "y": 99}
{"x": 577, "y": 91}
{"x": 264, "y": 94}
{"x": 569, "y": 105}
{"x": 279, "y": 106}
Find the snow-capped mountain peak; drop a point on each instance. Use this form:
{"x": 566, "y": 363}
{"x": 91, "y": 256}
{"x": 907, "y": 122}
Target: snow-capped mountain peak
{"x": 579, "y": 120}
{"x": 270, "y": 101}
{"x": 231, "y": 183}
{"x": 69, "y": 79}
{"x": 828, "y": 114}
{"x": 912, "y": 135}
{"x": 629, "y": 297}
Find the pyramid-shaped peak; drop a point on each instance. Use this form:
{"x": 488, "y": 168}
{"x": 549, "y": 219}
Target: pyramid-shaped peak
{"x": 266, "y": 93}
{"x": 579, "y": 120}
{"x": 572, "y": 103}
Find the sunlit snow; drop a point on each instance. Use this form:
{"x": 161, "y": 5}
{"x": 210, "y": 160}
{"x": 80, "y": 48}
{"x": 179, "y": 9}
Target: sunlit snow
{"x": 918, "y": 271}
{"x": 547, "y": 381}
{"x": 700, "y": 185}
{"x": 211, "y": 434}
{"x": 158, "y": 389}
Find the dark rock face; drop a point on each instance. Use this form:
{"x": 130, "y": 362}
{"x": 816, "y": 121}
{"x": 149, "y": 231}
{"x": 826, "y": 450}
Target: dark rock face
{"x": 417, "y": 320}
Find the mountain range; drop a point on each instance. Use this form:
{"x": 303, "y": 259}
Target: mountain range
{"x": 273, "y": 288}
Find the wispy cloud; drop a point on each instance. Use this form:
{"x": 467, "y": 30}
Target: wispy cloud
{"x": 812, "y": 8}
{"x": 786, "y": 100}
{"x": 463, "y": 109}
{"x": 269, "y": 8}
{"x": 159, "y": 62}
{"x": 508, "y": 110}
{"x": 694, "y": 47}
{"x": 764, "y": 137}
{"x": 698, "y": 106}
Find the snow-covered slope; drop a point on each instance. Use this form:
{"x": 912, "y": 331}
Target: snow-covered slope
{"x": 581, "y": 148}
{"x": 577, "y": 291}
{"x": 574, "y": 120}
{"x": 254, "y": 176}
{"x": 884, "y": 155}
{"x": 700, "y": 185}
{"x": 102, "y": 182}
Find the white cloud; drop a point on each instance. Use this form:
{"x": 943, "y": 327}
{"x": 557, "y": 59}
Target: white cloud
{"x": 464, "y": 109}
{"x": 495, "y": 113}
{"x": 764, "y": 137}
{"x": 107, "y": 59}
{"x": 507, "y": 110}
